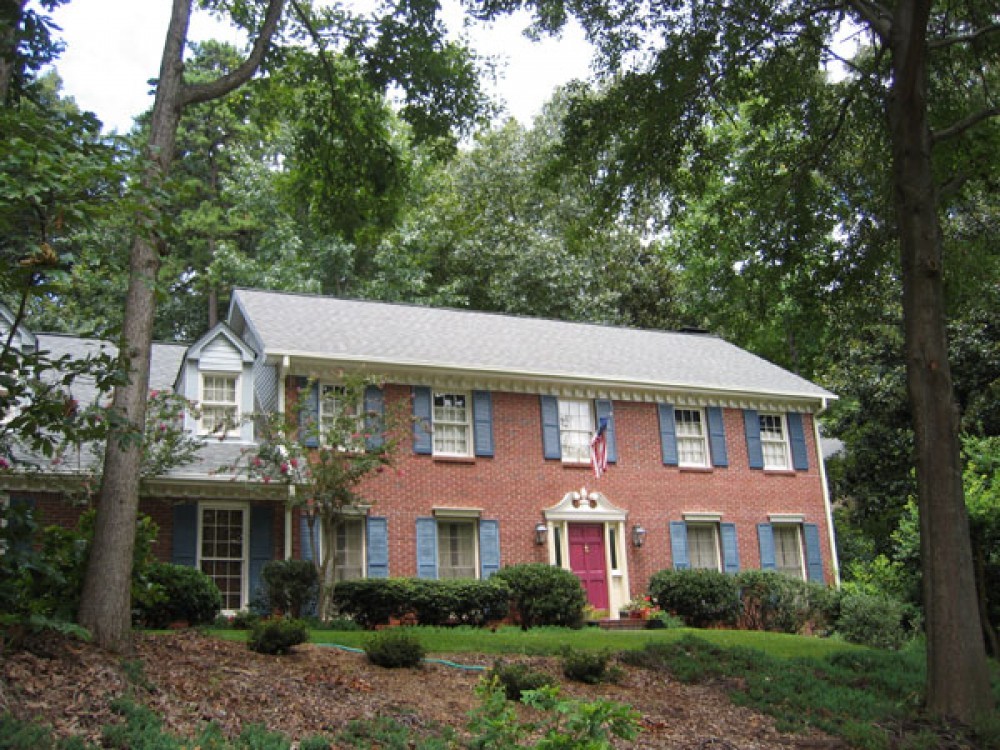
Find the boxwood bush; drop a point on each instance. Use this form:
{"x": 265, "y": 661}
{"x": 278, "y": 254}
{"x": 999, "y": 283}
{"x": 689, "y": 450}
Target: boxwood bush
{"x": 542, "y": 595}
{"x": 393, "y": 648}
{"x": 291, "y": 586}
{"x": 185, "y": 594}
{"x": 371, "y": 602}
{"x": 700, "y": 597}
{"x": 277, "y": 636}
{"x": 876, "y": 620}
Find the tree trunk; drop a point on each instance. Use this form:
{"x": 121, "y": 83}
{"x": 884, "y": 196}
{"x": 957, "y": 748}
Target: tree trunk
{"x": 105, "y": 604}
{"x": 11, "y": 13}
{"x": 957, "y": 676}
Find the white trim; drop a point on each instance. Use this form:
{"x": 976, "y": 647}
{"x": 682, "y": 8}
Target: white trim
{"x": 468, "y": 424}
{"x": 786, "y": 518}
{"x": 469, "y": 513}
{"x": 237, "y": 377}
{"x": 828, "y": 505}
{"x": 702, "y": 517}
{"x": 245, "y": 552}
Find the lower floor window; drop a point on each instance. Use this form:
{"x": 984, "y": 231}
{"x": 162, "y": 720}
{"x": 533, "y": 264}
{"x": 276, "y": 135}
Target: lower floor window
{"x": 456, "y": 549}
{"x": 788, "y": 550}
{"x": 703, "y": 545}
{"x": 223, "y": 535}
{"x": 349, "y": 550}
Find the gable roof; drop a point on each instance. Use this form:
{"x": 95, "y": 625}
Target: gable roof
{"x": 391, "y": 334}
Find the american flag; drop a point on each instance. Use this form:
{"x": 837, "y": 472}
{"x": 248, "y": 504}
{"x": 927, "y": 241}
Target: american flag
{"x": 599, "y": 448}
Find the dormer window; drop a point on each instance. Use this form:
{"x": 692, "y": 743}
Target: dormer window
{"x": 219, "y": 407}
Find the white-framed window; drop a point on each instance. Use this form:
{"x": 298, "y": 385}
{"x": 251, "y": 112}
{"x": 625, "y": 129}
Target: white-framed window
{"x": 349, "y": 549}
{"x": 788, "y": 549}
{"x": 222, "y": 550}
{"x": 456, "y": 548}
{"x": 333, "y": 405}
{"x": 219, "y": 404}
{"x": 774, "y": 441}
{"x": 576, "y": 429}
{"x": 692, "y": 437}
{"x": 703, "y": 546}
{"x": 451, "y": 415}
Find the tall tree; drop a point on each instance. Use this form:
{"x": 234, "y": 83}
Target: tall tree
{"x": 670, "y": 62}
{"x": 105, "y": 602}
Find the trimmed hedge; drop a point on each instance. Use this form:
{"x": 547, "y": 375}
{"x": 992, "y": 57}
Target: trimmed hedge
{"x": 544, "y": 595}
{"x": 373, "y": 601}
{"x": 700, "y": 597}
{"x": 185, "y": 594}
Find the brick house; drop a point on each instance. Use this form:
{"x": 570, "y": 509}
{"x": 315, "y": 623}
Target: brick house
{"x": 713, "y": 453}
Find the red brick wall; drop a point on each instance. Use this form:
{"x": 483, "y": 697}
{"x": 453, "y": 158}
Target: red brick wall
{"x": 518, "y": 484}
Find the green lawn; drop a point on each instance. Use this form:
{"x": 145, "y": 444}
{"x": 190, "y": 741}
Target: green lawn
{"x": 550, "y": 641}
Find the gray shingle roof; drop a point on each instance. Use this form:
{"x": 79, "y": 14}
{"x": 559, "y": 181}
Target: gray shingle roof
{"x": 410, "y": 335}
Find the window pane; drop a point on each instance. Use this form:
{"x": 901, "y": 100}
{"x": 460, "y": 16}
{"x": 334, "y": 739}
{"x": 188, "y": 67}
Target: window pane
{"x": 349, "y": 550}
{"x": 222, "y": 552}
{"x": 456, "y": 549}
{"x": 788, "y": 550}
{"x": 451, "y": 424}
{"x": 772, "y": 441}
{"x": 703, "y": 546}
{"x": 576, "y": 428}
{"x": 691, "y": 447}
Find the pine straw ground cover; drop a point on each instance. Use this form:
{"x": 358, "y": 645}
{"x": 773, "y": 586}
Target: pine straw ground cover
{"x": 190, "y": 679}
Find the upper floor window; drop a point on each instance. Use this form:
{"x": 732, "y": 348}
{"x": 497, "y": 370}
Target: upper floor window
{"x": 451, "y": 417}
{"x": 576, "y": 428}
{"x": 692, "y": 437}
{"x": 773, "y": 441}
{"x": 219, "y": 407}
{"x": 338, "y": 412}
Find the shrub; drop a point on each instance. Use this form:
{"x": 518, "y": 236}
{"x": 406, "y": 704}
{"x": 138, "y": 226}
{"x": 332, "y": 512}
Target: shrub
{"x": 517, "y": 678}
{"x": 590, "y": 667}
{"x": 188, "y": 595}
{"x": 776, "y": 602}
{"x": 291, "y": 586}
{"x": 544, "y": 595}
{"x": 394, "y": 647}
{"x": 277, "y": 636}
{"x": 244, "y": 620}
{"x": 372, "y": 601}
{"x": 876, "y": 620}
{"x": 700, "y": 597}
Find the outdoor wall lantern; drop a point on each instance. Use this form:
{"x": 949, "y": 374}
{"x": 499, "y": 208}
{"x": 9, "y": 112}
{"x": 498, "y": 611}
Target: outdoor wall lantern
{"x": 541, "y": 531}
{"x": 638, "y": 535}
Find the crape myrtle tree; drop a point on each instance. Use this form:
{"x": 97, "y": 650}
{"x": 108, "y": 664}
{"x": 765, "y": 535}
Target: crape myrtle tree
{"x": 931, "y": 68}
{"x": 104, "y": 606}
{"x": 323, "y": 452}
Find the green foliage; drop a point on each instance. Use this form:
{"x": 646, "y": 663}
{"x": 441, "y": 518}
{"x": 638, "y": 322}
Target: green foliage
{"x": 291, "y": 586}
{"x": 700, "y": 597}
{"x": 556, "y": 724}
{"x": 877, "y": 620}
{"x": 370, "y": 602}
{"x": 394, "y": 648}
{"x": 516, "y": 678}
{"x": 544, "y": 595}
{"x": 391, "y": 734}
{"x": 772, "y": 601}
{"x": 186, "y": 595}
{"x": 591, "y": 667}
{"x": 277, "y": 635}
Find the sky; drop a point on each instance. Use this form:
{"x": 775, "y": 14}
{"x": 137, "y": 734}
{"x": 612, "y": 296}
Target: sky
{"x": 113, "y": 48}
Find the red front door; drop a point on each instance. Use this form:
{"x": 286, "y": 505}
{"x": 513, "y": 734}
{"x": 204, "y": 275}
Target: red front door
{"x": 586, "y": 560}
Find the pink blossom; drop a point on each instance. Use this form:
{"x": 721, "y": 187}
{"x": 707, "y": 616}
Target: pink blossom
{"x": 295, "y": 463}
{"x": 267, "y": 479}
{"x": 284, "y": 467}
{"x": 257, "y": 461}
{"x": 5, "y": 464}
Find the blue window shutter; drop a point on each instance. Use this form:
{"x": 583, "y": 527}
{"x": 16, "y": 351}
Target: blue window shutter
{"x": 730, "y": 550}
{"x": 374, "y": 417}
{"x": 605, "y": 410}
{"x": 489, "y": 548}
{"x": 261, "y": 548}
{"x": 422, "y": 442}
{"x": 765, "y": 536}
{"x": 551, "y": 447}
{"x": 377, "y": 530}
{"x": 308, "y": 412}
{"x": 306, "y": 538}
{"x": 482, "y": 423}
{"x": 679, "y": 545}
{"x": 814, "y": 556}
{"x": 751, "y": 426}
{"x": 185, "y": 544}
{"x": 717, "y": 436}
{"x": 668, "y": 434}
{"x": 797, "y": 440}
{"x": 427, "y": 565}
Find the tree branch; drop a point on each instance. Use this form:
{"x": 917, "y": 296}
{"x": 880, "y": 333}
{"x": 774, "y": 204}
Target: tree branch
{"x": 877, "y": 16}
{"x": 964, "y": 38}
{"x": 204, "y": 92}
{"x": 962, "y": 125}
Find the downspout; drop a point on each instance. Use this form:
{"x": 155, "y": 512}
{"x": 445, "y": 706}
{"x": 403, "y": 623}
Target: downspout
{"x": 826, "y": 494}
{"x": 283, "y": 367}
